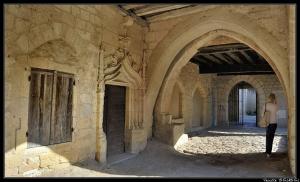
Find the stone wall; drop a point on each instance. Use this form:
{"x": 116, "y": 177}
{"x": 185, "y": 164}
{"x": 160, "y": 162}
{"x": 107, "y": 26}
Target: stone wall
{"x": 63, "y": 38}
{"x": 192, "y": 82}
{"x": 267, "y": 83}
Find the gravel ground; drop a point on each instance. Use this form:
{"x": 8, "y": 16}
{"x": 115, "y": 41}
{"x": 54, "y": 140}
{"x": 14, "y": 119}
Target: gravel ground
{"x": 233, "y": 141}
{"x": 216, "y": 153}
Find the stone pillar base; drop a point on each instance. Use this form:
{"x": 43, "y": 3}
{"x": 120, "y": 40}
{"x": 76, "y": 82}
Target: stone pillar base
{"x": 177, "y": 135}
{"x": 135, "y": 140}
{"x": 101, "y": 151}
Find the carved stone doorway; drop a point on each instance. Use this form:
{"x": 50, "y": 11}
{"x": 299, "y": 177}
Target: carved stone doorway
{"x": 114, "y": 119}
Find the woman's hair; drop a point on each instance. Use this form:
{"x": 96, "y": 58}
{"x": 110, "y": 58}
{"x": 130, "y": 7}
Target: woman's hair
{"x": 272, "y": 98}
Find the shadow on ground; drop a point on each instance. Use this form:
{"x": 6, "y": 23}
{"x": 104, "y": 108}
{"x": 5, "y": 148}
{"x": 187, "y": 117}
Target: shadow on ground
{"x": 160, "y": 160}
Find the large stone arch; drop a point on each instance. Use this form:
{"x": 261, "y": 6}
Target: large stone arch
{"x": 257, "y": 85}
{"x": 46, "y": 32}
{"x": 175, "y": 50}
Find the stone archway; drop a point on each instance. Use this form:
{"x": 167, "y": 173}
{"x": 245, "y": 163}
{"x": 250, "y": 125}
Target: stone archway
{"x": 205, "y": 99}
{"x": 175, "y": 102}
{"x": 198, "y": 114}
{"x": 183, "y": 41}
{"x": 166, "y": 97}
{"x": 175, "y": 50}
{"x": 257, "y": 85}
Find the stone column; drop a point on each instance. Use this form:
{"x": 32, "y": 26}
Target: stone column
{"x": 291, "y": 124}
{"x": 135, "y": 138}
{"x": 101, "y": 143}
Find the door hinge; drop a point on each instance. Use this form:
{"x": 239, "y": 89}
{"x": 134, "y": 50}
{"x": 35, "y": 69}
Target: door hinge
{"x": 74, "y": 82}
{"x": 26, "y": 133}
{"x": 72, "y": 129}
{"x": 29, "y": 78}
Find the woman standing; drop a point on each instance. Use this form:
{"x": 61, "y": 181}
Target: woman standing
{"x": 272, "y": 107}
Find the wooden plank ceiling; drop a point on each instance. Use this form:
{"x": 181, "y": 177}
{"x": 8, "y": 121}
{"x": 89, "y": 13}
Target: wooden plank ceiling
{"x": 235, "y": 58}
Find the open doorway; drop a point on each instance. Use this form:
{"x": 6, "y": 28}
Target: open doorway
{"x": 242, "y": 105}
{"x": 114, "y": 119}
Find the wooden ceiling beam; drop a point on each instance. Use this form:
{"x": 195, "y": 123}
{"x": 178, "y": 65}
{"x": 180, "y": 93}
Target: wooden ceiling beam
{"x": 156, "y": 9}
{"x": 236, "y": 58}
{"x": 236, "y": 68}
{"x": 203, "y": 60}
{"x": 222, "y": 58}
{"x": 248, "y": 58}
{"x": 211, "y": 58}
{"x": 247, "y": 73}
{"x": 138, "y": 19}
{"x": 225, "y": 56}
{"x": 212, "y": 50}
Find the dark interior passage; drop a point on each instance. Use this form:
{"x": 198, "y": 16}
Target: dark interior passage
{"x": 242, "y": 104}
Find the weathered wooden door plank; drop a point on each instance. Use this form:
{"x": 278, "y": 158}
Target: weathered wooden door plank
{"x": 34, "y": 110}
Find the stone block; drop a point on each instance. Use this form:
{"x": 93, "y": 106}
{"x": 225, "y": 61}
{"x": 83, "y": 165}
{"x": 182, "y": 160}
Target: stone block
{"x": 49, "y": 34}
{"x": 90, "y": 28}
{"x": 23, "y": 12}
{"x": 68, "y": 19}
{"x": 177, "y": 132}
{"x": 75, "y": 11}
{"x": 80, "y": 23}
{"x": 9, "y": 21}
{"x": 135, "y": 140}
{"x": 41, "y": 17}
{"x": 97, "y": 20}
{"x": 84, "y": 15}
{"x": 84, "y": 35}
{"x": 182, "y": 140}
{"x": 91, "y": 9}
{"x": 66, "y": 8}
{"x": 22, "y": 42}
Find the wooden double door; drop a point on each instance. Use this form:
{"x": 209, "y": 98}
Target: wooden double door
{"x": 114, "y": 119}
